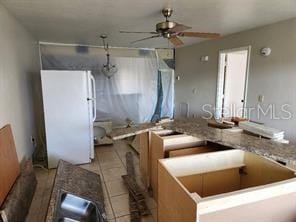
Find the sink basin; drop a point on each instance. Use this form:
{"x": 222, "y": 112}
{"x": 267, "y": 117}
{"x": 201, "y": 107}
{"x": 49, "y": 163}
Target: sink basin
{"x": 72, "y": 208}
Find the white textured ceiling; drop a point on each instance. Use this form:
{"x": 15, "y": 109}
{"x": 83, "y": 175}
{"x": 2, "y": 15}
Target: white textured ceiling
{"x": 82, "y": 21}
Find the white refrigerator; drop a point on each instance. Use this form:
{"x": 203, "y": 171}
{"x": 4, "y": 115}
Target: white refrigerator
{"x": 69, "y": 112}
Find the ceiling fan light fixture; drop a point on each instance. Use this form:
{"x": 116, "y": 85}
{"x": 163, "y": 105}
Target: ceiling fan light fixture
{"x": 172, "y": 31}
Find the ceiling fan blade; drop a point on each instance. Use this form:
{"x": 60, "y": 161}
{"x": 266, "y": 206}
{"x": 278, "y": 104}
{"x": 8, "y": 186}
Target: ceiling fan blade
{"x": 139, "y": 32}
{"x": 176, "y": 41}
{"x": 200, "y": 34}
{"x": 179, "y": 28}
{"x": 150, "y": 37}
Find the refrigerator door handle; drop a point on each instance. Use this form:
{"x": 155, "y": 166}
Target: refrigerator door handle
{"x": 93, "y": 86}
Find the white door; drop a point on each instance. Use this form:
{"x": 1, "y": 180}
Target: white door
{"x": 232, "y": 82}
{"x": 66, "y": 114}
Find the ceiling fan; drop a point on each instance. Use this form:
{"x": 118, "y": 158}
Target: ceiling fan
{"x": 173, "y": 30}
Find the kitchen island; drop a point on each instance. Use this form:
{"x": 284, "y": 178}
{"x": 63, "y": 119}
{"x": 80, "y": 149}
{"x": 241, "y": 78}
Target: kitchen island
{"x": 283, "y": 153}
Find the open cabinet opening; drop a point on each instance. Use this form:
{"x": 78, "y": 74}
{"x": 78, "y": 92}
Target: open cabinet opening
{"x": 250, "y": 171}
{"x": 225, "y": 186}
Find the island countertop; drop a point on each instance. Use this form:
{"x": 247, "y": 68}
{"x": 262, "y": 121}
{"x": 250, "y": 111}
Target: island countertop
{"x": 285, "y": 153}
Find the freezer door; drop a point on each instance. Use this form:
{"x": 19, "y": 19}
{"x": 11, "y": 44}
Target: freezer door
{"x": 66, "y": 114}
{"x": 92, "y": 109}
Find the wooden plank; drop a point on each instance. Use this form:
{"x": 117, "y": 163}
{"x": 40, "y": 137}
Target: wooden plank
{"x": 136, "y": 198}
{"x": 9, "y": 165}
{"x": 130, "y": 164}
{"x": 137, "y": 194}
{"x": 190, "y": 151}
{"x": 134, "y": 210}
{"x": 135, "y": 214}
{"x": 260, "y": 171}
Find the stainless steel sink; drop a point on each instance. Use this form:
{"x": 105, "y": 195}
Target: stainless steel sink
{"x": 72, "y": 208}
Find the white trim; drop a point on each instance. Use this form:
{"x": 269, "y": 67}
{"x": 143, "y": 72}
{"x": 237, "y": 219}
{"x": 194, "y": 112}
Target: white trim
{"x": 247, "y": 82}
{"x": 246, "y": 196}
{"x": 40, "y": 58}
{"x": 234, "y": 49}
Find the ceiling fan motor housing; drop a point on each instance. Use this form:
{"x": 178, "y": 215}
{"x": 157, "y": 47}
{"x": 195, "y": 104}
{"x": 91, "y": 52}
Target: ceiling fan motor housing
{"x": 163, "y": 27}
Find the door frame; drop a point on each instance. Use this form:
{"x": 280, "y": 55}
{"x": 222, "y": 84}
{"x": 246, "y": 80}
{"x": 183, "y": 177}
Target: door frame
{"x": 220, "y": 69}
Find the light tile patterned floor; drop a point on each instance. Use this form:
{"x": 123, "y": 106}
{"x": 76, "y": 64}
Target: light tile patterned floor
{"x": 110, "y": 164}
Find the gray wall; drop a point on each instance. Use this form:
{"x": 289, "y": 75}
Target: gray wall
{"x": 273, "y": 76}
{"x": 19, "y": 67}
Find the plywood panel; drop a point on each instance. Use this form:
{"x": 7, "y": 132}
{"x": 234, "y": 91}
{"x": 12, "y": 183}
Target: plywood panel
{"x": 9, "y": 165}
{"x": 193, "y": 183}
{"x": 180, "y": 141}
{"x": 173, "y": 200}
{"x": 220, "y": 182}
{"x": 190, "y": 151}
{"x": 212, "y": 183}
{"x": 145, "y": 152}
{"x": 260, "y": 171}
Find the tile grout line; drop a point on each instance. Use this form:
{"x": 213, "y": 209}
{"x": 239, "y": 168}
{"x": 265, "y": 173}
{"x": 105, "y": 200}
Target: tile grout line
{"x": 120, "y": 194}
{"x": 104, "y": 184}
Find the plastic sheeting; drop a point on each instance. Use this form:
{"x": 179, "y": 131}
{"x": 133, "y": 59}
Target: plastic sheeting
{"x": 131, "y": 93}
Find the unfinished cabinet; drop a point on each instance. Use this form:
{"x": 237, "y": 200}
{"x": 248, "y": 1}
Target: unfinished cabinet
{"x": 225, "y": 186}
{"x": 161, "y": 145}
{"x": 145, "y": 152}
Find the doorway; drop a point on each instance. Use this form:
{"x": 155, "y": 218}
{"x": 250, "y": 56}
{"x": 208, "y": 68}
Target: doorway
{"x": 232, "y": 82}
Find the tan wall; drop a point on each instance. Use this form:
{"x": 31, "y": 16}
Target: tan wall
{"x": 273, "y": 76}
{"x": 18, "y": 68}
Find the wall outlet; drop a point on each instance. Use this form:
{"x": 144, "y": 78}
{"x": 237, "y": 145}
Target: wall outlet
{"x": 260, "y": 98}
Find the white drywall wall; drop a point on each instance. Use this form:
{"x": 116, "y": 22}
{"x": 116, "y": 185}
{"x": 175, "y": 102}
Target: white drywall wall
{"x": 18, "y": 68}
{"x": 273, "y": 76}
